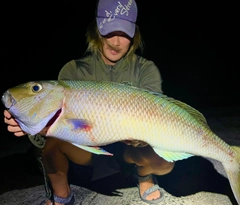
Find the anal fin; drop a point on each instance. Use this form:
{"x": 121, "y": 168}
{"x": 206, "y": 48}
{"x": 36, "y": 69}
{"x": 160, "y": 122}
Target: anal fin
{"x": 172, "y": 156}
{"x": 95, "y": 150}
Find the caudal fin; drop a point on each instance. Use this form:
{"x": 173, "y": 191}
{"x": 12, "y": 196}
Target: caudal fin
{"x": 233, "y": 173}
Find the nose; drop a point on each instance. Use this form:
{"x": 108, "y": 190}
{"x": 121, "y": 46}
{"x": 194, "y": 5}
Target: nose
{"x": 116, "y": 40}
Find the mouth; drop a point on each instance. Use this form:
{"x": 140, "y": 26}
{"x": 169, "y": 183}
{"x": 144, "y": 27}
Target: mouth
{"x": 113, "y": 52}
{"x": 7, "y": 100}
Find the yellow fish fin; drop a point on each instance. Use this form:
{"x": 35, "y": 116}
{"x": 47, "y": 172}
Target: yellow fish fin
{"x": 192, "y": 111}
{"x": 95, "y": 150}
{"x": 172, "y": 156}
{"x": 189, "y": 109}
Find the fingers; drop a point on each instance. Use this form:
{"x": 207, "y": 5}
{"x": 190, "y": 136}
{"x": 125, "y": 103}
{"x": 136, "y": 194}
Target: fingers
{"x": 142, "y": 144}
{"x": 13, "y": 126}
{"x": 7, "y": 114}
{"x": 127, "y": 142}
{"x": 8, "y": 119}
{"x": 138, "y": 143}
{"x": 19, "y": 134}
{"x": 135, "y": 143}
{"x": 17, "y": 131}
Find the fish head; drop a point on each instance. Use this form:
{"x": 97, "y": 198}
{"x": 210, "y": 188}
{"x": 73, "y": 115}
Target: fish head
{"x": 34, "y": 104}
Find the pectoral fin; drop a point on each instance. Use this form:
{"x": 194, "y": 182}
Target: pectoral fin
{"x": 172, "y": 156}
{"x": 95, "y": 150}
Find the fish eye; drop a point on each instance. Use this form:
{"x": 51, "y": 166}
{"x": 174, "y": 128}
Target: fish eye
{"x": 36, "y": 88}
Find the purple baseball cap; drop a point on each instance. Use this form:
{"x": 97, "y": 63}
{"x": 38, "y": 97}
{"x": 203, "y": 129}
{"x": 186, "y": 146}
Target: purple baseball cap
{"x": 114, "y": 15}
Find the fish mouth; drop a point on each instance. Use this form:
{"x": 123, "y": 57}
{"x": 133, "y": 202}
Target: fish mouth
{"x": 7, "y": 100}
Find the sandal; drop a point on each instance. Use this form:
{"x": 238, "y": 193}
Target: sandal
{"x": 150, "y": 190}
{"x": 66, "y": 201}
{"x": 49, "y": 192}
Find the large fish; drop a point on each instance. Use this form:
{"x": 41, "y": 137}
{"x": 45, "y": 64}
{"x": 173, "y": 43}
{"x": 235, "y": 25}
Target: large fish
{"x": 90, "y": 114}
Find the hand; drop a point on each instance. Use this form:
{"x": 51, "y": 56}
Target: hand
{"x": 135, "y": 143}
{"x": 13, "y": 125}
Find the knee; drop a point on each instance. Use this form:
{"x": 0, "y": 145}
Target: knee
{"x": 59, "y": 152}
{"x": 52, "y": 156}
{"x": 162, "y": 166}
{"x": 50, "y": 149}
{"x": 131, "y": 155}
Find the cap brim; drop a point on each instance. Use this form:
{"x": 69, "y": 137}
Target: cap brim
{"x": 115, "y": 25}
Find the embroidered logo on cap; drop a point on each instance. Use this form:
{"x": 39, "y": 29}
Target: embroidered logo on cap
{"x": 119, "y": 10}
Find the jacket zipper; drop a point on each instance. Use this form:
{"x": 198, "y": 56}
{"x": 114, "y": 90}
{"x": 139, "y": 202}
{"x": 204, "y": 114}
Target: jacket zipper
{"x": 111, "y": 73}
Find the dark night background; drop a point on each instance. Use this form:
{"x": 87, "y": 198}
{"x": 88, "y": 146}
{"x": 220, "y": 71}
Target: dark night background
{"x": 195, "y": 45}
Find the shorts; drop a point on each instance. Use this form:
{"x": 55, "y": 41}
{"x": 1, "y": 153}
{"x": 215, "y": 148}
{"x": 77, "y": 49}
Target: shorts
{"x": 102, "y": 165}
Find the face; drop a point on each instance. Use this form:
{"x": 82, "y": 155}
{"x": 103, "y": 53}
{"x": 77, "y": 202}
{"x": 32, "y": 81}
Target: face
{"x": 115, "y": 46}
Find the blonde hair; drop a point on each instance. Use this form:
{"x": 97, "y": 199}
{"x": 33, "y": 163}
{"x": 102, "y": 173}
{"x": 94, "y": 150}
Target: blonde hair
{"x": 95, "y": 40}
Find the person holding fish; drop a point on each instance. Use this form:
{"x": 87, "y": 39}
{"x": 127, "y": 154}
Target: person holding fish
{"x": 113, "y": 37}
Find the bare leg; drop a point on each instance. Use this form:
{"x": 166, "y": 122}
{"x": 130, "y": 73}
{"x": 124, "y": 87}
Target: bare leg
{"x": 148, "y": 162}
{"x": 55, "y": 159}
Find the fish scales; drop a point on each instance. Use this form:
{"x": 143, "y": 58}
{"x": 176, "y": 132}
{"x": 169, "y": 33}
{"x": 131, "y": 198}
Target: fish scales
{"x": 101, "y": 113}
{"x": 121, "y": 110}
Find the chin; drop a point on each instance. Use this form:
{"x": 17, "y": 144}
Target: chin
{"x": 114, "y": 59}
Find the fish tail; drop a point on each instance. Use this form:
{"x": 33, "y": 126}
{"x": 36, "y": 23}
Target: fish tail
{"x": 233, "y": 173}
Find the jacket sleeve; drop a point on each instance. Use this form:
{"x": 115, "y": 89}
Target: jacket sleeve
{"x": 149, "y": 76}
{"x": 68, "y": 71}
